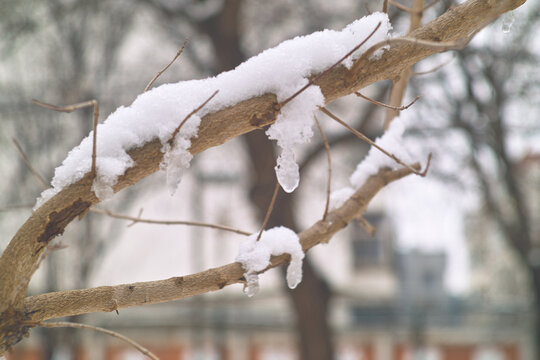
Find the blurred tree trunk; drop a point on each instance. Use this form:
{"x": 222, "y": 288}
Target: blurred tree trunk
{"x": 310, "y": 299}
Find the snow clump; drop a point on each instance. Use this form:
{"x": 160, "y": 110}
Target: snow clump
{"x": 392, "y": 142}
{"x": 255, "y": 256}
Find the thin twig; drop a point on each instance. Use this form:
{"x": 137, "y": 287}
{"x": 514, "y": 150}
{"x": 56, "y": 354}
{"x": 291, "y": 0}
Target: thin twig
{"x": 438, "y": 45}
{"x": 372, "y": 143}
{"x": 74, "y": 107}
{"x": 36, "y": 174}
{"x": 370, "y": 229}
{"x": 397, "y": 108}
{"x": 385, "y": 7}
{"x": 269, "y": 211}
{"x": 16, "y": 207}
{"x": 168, "y": 222}
{"x": 166, "y": 67}
{"x": 62, "y": 324}
{"x": 177, "y": 130}
{"x": 438, "y": 67}
{"x": 328, "y": 157}
{"x": 411, "y": 10}
{"x": 138, "y": 218}
{"x": 312, "y": 81}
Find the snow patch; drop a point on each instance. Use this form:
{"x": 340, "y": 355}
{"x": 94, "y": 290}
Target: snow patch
{"x": 255, "y": 256}
{"x": 155, "y": 114}
{"x": 338, "y": 197}
{"x": 392, "y": 142}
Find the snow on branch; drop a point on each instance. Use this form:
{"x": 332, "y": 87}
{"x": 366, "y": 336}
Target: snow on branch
{"x": 156, "y": 113}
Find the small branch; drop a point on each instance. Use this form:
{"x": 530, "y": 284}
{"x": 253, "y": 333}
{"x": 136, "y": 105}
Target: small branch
{"x": 16, "y": 207}
{"x": 167, "y": 222}
{"x": 312, "y": 81}
{"x": 328, "y": 157}
{"x": 136, "y": 345}
{"x": 397, "y": 108}
{"x": 36, "y": 174}
{"x": 138, "y": 218}
{"x": 436, "y": 68}
{"x": 370, "y": 229}
{"x": 411, "y": 10}
{"x": 177, "y": 130}
{"x": 269, "y": 211}
{"x": 166, "y": 67}
{"x": 385, "y": 7}
{"x": 372, "y": 143}
{"x": 433, "y": 45}
{"x": 74, "y": 107}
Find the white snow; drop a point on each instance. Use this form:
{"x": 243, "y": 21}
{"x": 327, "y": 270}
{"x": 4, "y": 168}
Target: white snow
{"x": 156, "y": 113}
{"x": 392, "y": 142}
{"x": 338, "y": 197}
{"x": 255, "y": 256}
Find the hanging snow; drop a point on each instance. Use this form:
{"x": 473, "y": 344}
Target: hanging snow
{"x": 255, "y": 256}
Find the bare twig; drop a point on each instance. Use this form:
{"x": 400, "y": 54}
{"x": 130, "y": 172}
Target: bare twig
{"x": 138, "y": 218}
{"x": 370, "y": 229}
{"x": 438, "y": 67}
{"x": 312, "y": 81}
{"x": 16, "y": 207}
{"x": 62, "y": 324}
{"x": 177, "y": 130}
{"x": 167, "y": 222}
{"x": 166, "y": 67}
{"x": 328, "y": 157}
{"x": 372, "y": 143}
{"x": 385, "y": 7}
{"x": 397, "y": 108}
{"x": 411, "y": 10}
{"x": 74, "y": 107}
{"x": 36, "y": 174}
{"x": 400, "y": 84}
{"x": 269, "y": 211}
{"x": 433, "y": 45}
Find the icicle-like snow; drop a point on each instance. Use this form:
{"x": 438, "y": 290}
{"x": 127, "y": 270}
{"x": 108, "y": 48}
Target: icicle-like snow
{"x": 255, "y": 256}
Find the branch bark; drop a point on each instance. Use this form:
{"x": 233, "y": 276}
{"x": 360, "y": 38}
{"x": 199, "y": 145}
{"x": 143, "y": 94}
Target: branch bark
{"x": 23, "y": 253}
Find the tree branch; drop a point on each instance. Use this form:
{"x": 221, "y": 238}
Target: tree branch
{"x": 110, "y": 298}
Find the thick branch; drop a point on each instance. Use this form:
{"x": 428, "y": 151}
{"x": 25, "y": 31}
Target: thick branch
{"x": 109, "y": 298}
{"x": 49, "y": 220}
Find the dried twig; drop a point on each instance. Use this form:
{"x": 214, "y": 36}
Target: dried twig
{"x": 385, "y": 7}
{"x": 366, "y": 225}
{"x": 167, "y": 222}
{"x": 436, "y": 68}
{"x": 74, "y": 107}
{"x": 434, "y": 45}
{"x": 397, "y": 108}
{"x": 36, "y": 174}
{"x": 312, "y": 81}
{"x": 411, "y": 10}
{"x": 138, "y": 218}
{"x": 269, "y": 211}
{"x": 62, "y": 324}
{"x": 372, "y": 143}
{"x": 166, "y": 67}
{"x": 177, "y": 130}
{"x": 328, "y": 157}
